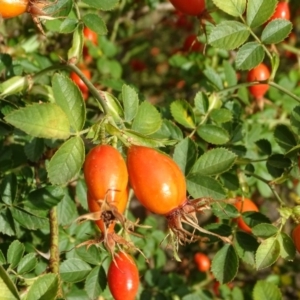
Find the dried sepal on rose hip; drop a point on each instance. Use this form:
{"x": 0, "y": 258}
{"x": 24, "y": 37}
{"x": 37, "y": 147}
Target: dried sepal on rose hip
{"x": 37, "y": 9}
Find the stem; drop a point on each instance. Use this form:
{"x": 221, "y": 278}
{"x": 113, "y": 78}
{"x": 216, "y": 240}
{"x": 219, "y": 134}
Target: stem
{"x": 75, "y": 69}
{"x": 267, "y": 183}
{"x": 54, "y": 250}
{"x": 282, "y": 89}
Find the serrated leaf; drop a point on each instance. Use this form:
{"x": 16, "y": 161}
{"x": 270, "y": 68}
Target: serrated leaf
{"x": 67, "y": 95}
{"x": 45, "y": 198}
{"x": 264, "y": 230}
{"x": 234, "y": 8}
{"x": 214, "y": 162}
{"x": 74, "y": 270}
{"x": 27, "y": 263}
{"x": 130, "y": 102}
{"x": 7, "y": 288}
{"x": 137, "y": 138}
{"x": 267, "y": 253}
{"x": 266, "y": 290}
{"x": 279, "y": 161}
{"x": 259, "y": 11}
{"x": 45, "y": 120}
{"x": 228, "y": 35}
{"x": 221, "y": 115}
{"x": 28, "y": 220}
{"x": 185, "y": 154}
{"x": 201, "y": 103}
{"x": 15, "y": 253}
{"x": 66, "y": 211}
{"x": 246, "y": 246}
{"x": 230, "y": 181}
{"x": 213, "y": 134}
{"x": 284, "y": 137}
{"x": 44, "y": 288}
{"x": 91, "y": 255}
{"x": 6, "y": 223}
{"x": 8, "y": 188}
{"x": 147, "y": 120}
{"x": 103, "y": 4}
{"x": 249, "y": 56}
{"x": 264, "y": 146}
{"x": 287, "y": 246}
{"x": 34, "y": 149}
{"x": 95, "y": 23}
{"x": 183, "y": 114}
{"x": 204, "y": 186}
{"x": 67, "y": 161}
{"x": 213, "y": 77}
{"x": 225, "y": 264}
{"x": 95, "y": 282}
{"x": 276, "y": 31}
{"x": 230, "y": 73}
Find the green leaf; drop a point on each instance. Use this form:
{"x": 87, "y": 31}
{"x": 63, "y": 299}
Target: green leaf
{"x": 95, "y": 282}
{"x": 214, "y": 162}
{"x": 28, "y": 220}
{"x": 204, "y": 186}
{"x": 253, "y": 218}
{"x": 6, "y": 223}
{"x": 15, "y": 253}
{"x": 66, "y": 211}
{"x": 225, "y": 264}
{"x": 228, "y": 35}
{"x": 7, "y": 287}
{"x": 68, "y": 96}
{"x": 279, "y": 161}
{"x": 260, "y": 11}
{"x": 130, "y": 102}
{"x": 266, "y": 290}
{"x": 234, "y": 8}
{"x": 185, "y": 154}
{"x": 221, "y": 115}
{"x": 95, "y": 23}
{"x": 44, "y": 288}
{"x": 46, "y": 120}
{"x": 168, "y": 130}
{"x": 213, "y": 134}
{"x": 246, "y": 246}
{"x": 287, "y": 246}
{"x": 74, "y": 270}
{"x": 267, "y": 253}
{"x": 137, "y": 138}
{"x": 264, "y": 230}
{"x": 34, "y": 149}
{"x": 27, "y": 263}
{"x": 75, "y": 51}
{"x": 230, "y": 181}
{"x": 276, "y": 31}
{"x": 45, "y": 198}
{"x": 91, "y": 255}
{"x": 223, "y": 210}
{"x": 284, "y": 137}
{"x": 67, "y": 161}
{"x": 103, "y": 4}
{"x": 264, "y": 146}
{"x": 213, "y": 77}
{"x": 183, "y": 114}
{"x": 113, "y": 105}
{"x": 295, "y": 120}
{"x": 147, "y": 119}
{"x": 2, "y": 258}
{"x": 230, "y": 73}
{"x": 8, "y": 189}
{"x": 249, "y": 56}
{"x": 201, "y": 103}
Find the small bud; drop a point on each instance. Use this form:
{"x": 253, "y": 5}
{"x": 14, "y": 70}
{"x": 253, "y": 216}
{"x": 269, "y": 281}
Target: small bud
{"x": 15, "y": 85}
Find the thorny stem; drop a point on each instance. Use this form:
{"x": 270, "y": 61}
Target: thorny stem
{"x": 54, "y": 249}
{"x": 267, "y": 183}
{"x": 282, "y": 89}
